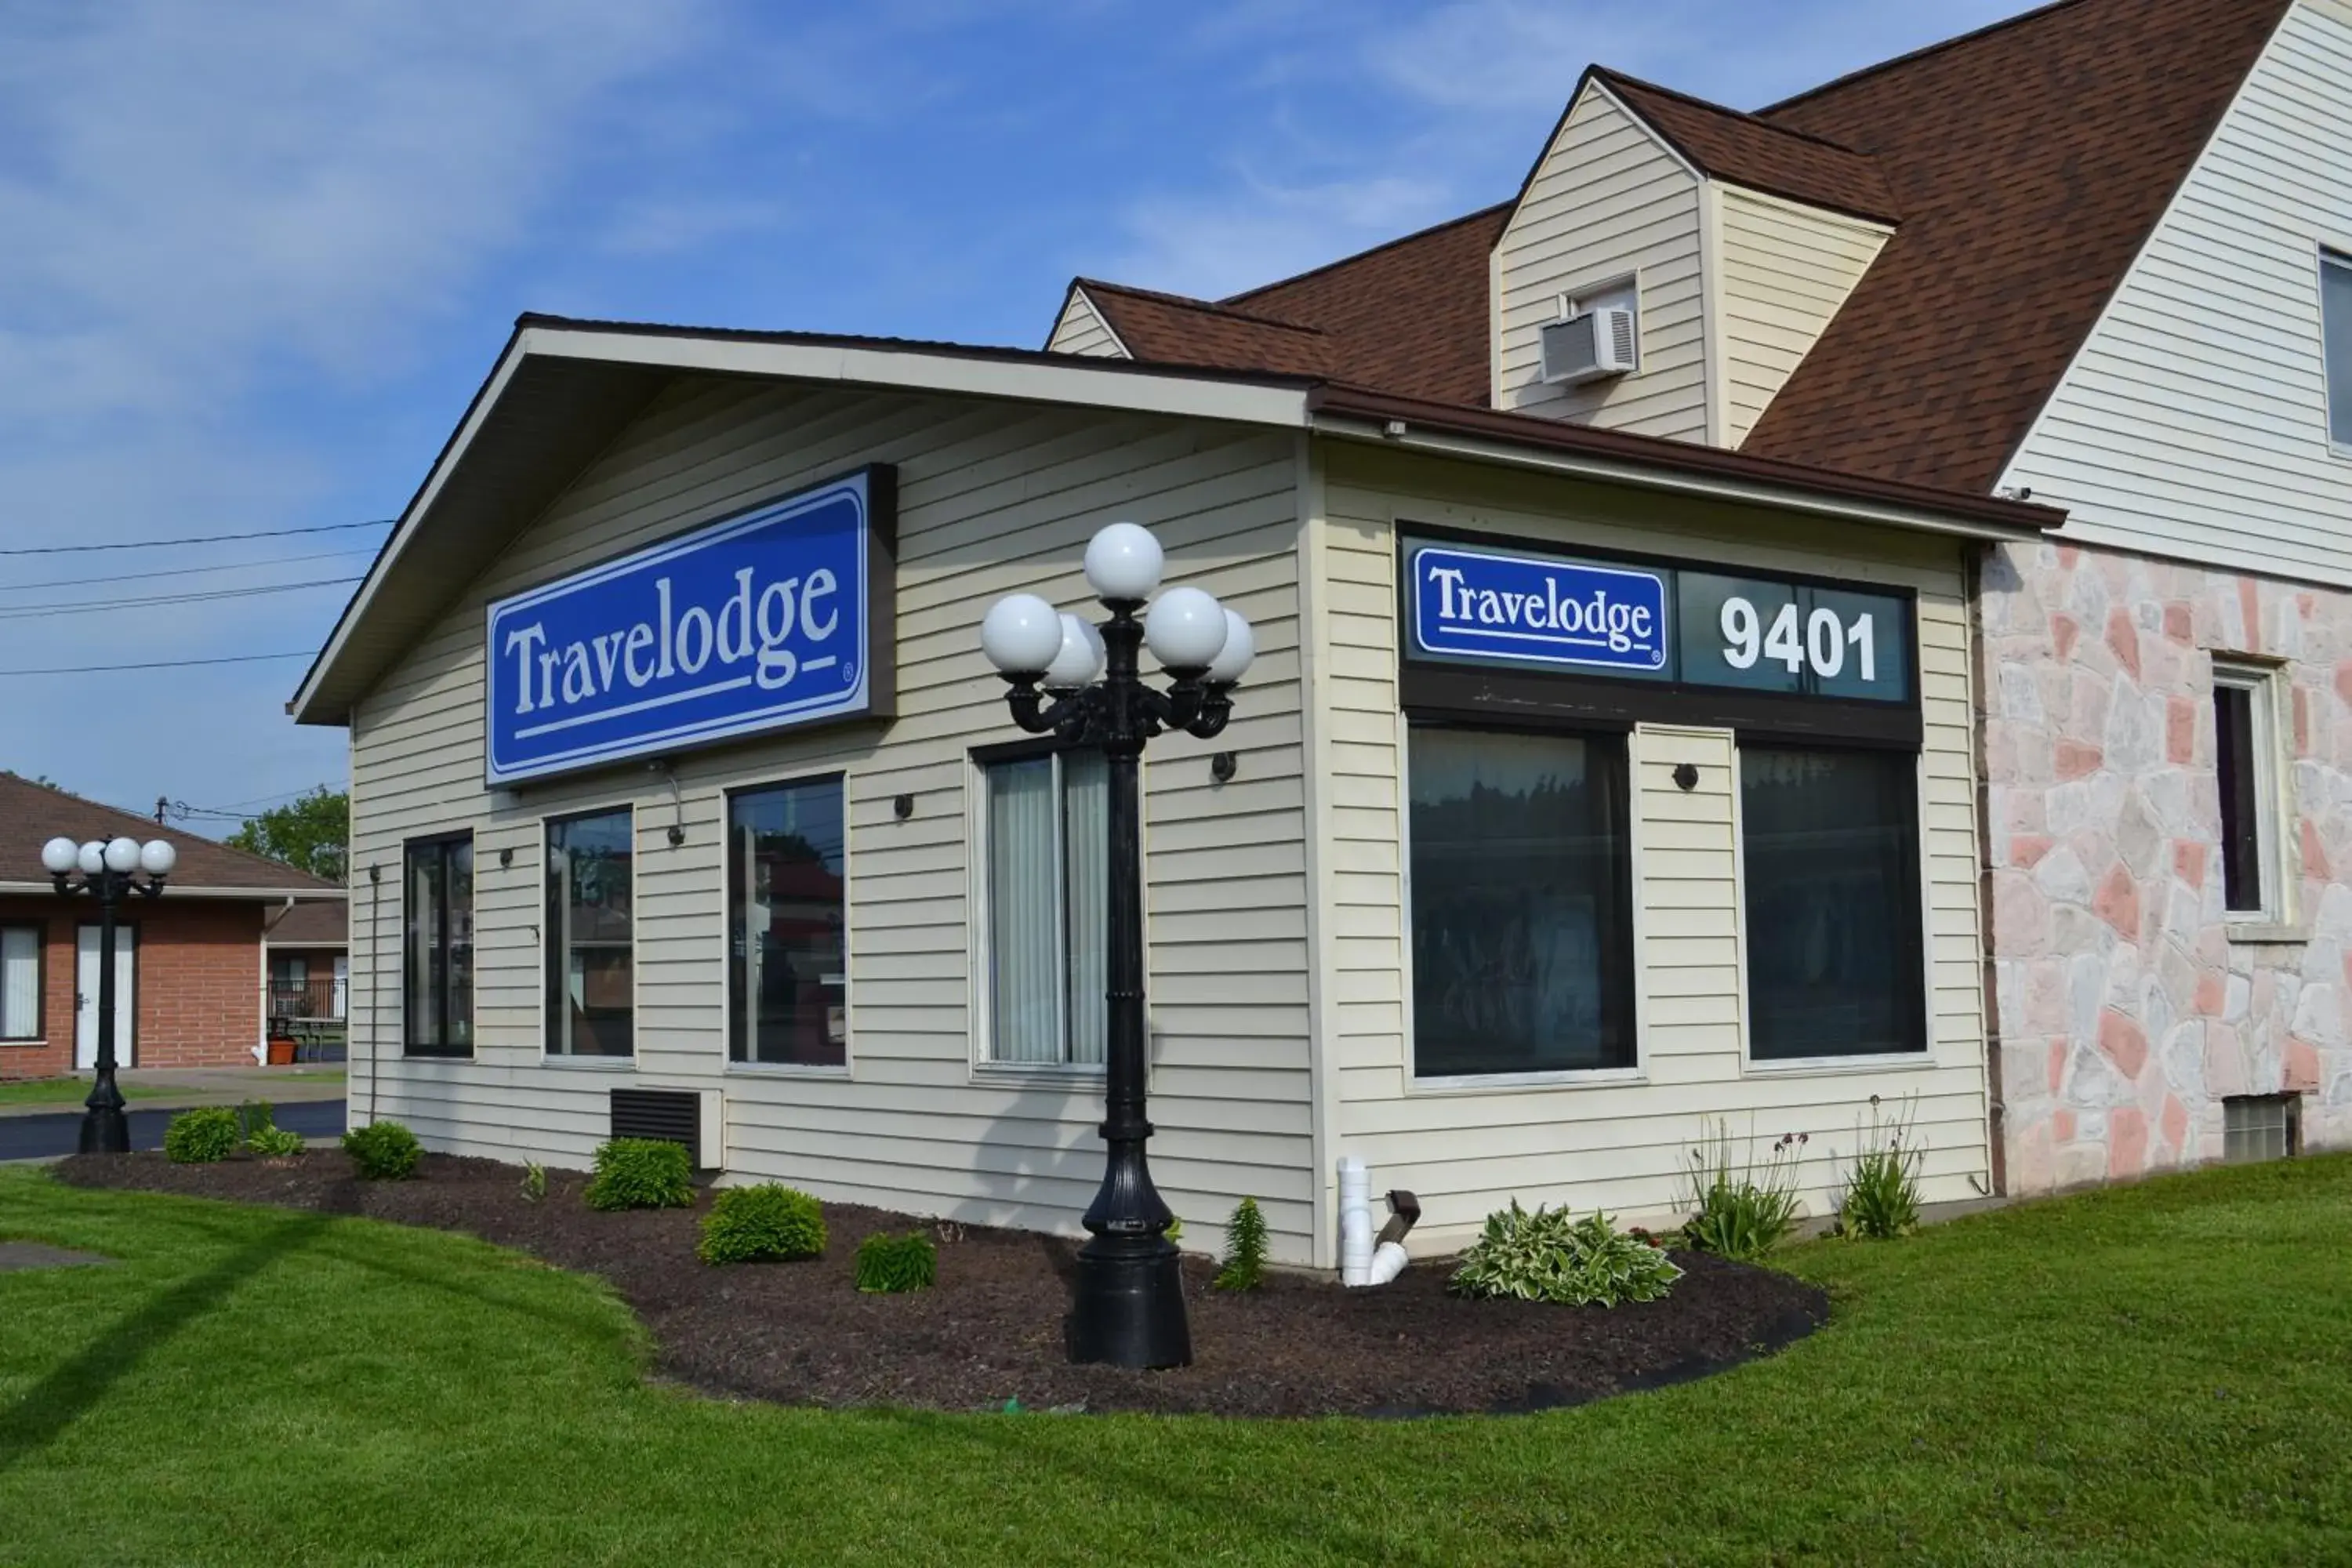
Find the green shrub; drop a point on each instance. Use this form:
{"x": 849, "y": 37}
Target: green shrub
{"x": 1243, "y": 1266}
{"x": 1739, "y": 1211}
{"x": 275, "y": 1142}
{"x": 201, "y": 1136}
{"x": 642, "y": 1174}
{"x": 252, "y": 1117}
{"x": 1548, "y": 1257}
{"x": 1175, "y": 1231}
{"x": 890, "y": 1265}
{"x": 534, "y": 1181}
{"x": 766, "y": 1224}
{"x": 383, "y": 1150}
{"x": 1881, "y": 1200}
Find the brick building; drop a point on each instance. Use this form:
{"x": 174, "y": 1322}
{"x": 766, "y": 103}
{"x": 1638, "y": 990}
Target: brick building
{"x": 191, "y": 964}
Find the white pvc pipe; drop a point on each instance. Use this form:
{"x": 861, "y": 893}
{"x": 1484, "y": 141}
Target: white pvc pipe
{"x": 1387, "y": 1262}
{"x": 1355, "y": 1222}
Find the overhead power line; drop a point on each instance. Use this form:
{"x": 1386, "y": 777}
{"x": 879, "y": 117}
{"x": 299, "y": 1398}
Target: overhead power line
{"x": 184, "y": 571}
{"x": 162, "y": 663}
{"x": 81, "y": 606}
{"x": 191, "y": 539}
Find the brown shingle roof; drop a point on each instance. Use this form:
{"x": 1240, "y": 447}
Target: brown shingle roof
{"x": 1747, "y": 151}
{"x": 325, "y": 923}
{"x": 2031, "y": 162}
{"x": 33, "y": 814}
{"x": 1167, "y": 329}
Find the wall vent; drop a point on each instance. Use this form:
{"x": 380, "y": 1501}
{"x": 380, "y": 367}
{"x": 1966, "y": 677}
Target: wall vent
{"x": 670, "y": 1115}
{"x": 1590, "y": 347}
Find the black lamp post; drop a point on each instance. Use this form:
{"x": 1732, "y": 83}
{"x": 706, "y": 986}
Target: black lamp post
{"x": 107, "y": 871}
{"x": 1070, "y": 679}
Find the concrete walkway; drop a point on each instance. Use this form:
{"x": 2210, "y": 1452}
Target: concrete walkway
{"x": 177, "y": 1088}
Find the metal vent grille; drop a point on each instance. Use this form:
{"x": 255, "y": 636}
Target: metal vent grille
{"x": 673, "y": 1116}
{"x": 1621, "y": 334}
{"x": 1569, "y": 349}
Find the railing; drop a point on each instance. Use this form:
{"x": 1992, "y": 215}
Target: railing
{"x": 313, "y": 1001}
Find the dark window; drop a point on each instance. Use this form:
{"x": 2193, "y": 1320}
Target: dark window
{"x": 1049, "y": 833}
{"x": 437, "y": 958}
{"x": 787, "y": 977}
{"x": 1831, "y": 859}
{"x": 2336, "y": 332}
{"x": 20, "y": 982}
{"x": 591, "y": 976}
{"x": 1522, "y": 954}
{"x": 2238, "y": 735}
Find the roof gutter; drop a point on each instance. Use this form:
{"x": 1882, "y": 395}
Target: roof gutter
{"x": 1521, "y": 441}
{"x": 177, "y": 890}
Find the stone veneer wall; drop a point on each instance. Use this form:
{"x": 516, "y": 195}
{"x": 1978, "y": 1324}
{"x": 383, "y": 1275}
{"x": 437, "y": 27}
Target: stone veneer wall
{"x": 2127, "y": 1011}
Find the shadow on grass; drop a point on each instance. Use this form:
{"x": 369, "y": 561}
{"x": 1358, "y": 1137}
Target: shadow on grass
{"x": 52, "y": 1405}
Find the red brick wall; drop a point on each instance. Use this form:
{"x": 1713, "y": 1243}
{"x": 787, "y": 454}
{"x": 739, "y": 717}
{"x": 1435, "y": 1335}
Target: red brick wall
{"x": 199, "y": 979}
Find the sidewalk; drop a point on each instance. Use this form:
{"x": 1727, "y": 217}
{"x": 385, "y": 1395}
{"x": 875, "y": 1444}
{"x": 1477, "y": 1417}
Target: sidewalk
{"x": 177, "y": 1088}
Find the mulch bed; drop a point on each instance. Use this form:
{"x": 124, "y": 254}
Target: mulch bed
{"x": 991, "y": 1330}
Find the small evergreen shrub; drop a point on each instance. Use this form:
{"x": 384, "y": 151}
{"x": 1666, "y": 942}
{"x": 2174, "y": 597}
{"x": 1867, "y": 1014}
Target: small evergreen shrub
{"x": 891, "y": 1265}
{"x": 201, "y": 1136}
{"x": 275, "y": 1142}
{"x": 534, "y": 1181}
{"x": 642, "y": 1174}
{"x": 383, "y": 1150}
{"x": 1545, "y": 1256}
{"x": 1881, "y": 1200}
{"x": 1739, "y": 1210}
{"x": 1243, "y": 1266}
{"x": 766, "y": 1224}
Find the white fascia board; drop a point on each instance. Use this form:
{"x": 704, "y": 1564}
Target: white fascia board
{"x": 1067, "y": 379}
{"x": 175, "y": 890}
{"x": 1669, "y": 480}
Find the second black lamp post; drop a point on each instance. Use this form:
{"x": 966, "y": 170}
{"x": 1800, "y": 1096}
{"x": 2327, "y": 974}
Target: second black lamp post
{"x": 1082, "y": 684}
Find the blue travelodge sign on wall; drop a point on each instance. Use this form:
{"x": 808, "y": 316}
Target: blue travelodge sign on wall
{"x": 778, "y": 617}
{"x": 1474, "y": 604}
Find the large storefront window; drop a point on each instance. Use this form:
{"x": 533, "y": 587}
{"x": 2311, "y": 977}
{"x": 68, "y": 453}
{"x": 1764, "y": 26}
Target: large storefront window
{"x": 591, "y": 1001}
{"x": 437, "y": 951}
{"x": 1522, "y": 957}
{"x": 1049, "y": 882}
{"x": 1831, "y": 848}
{"x": 787, "y": 975}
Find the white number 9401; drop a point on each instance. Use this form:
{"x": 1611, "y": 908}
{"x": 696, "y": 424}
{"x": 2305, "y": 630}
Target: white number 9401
{"x": 1824, "y": 645}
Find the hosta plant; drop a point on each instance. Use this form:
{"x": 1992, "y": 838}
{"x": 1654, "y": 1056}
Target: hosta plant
{"x": 1547, "y": 1255}
{"x": 274, "y": 1142}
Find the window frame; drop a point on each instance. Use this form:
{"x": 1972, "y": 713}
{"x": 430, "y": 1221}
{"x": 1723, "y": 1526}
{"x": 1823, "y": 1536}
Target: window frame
{"x": 2340, "y": 259}
{"x": 40, "y": 930}
{"x": 981, "y": 926}
{"x": 2275, "y": 805}
{"x": 409, "y": 1047}
{"x": 845, "y": 1068}
{"x": 1632, "y": 993}
{"x": 1923, "y": 1055}
{"x": 547, "y": 1030}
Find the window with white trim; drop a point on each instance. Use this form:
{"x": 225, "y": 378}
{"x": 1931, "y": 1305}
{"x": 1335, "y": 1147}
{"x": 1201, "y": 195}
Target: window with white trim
{"x": 20, "y": 982}
{"x": 2245, "y": 742}
{"x": 2335, "y": 336}
{"x": 1047, "y": 858}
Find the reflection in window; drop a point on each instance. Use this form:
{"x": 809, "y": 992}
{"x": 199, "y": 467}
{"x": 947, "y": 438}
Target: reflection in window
{"x": 1831, "y": 848}
{"x": 1521, "y": 955}
{"x": 438, "y": 950}
{"x": 2336, "y": 333}
{"x": 787, "y": 976}
{"x": 1048, "y": 887}
{"x": 591, "y": 1009}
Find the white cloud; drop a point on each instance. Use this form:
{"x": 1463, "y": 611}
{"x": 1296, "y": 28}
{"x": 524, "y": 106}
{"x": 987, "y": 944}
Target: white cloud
{"x": 1212, "y": 245}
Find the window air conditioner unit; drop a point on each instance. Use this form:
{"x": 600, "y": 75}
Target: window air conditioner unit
{"x": 1590, "y": 347}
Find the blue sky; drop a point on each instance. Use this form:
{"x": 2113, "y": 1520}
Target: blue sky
{"x": 254, "y": 259}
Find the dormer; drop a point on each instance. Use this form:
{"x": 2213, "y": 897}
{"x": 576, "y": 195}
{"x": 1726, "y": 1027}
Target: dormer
{"x": 1679, "y": 257}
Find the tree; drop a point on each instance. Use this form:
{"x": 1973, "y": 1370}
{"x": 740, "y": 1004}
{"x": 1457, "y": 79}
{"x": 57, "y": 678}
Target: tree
{"x": 313, "y": 833}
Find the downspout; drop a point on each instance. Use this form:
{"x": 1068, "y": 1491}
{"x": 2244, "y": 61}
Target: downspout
{"x": 1981, "y": 711}
{"x": 261, "y": 1040}
{"x": 376, "y": 902}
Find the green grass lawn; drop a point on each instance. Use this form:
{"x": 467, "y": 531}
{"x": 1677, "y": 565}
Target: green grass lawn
{"x": 64, "y": 1092}
{"x": 2159, "y": 1373}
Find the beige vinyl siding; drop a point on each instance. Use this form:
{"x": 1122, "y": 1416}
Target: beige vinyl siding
{"x": 1786, "y": 270}
{"x": 1610, "y": 200}
{"x": 1621, "y": 1145}
{"x": 2193, "y": 423}
{"x": 993, "y": 497}
{"x": 1082, "y": 331}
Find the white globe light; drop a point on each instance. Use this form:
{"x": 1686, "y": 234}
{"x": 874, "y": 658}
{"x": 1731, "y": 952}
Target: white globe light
{"x": 58, "y": 856}
{"x": 1186, "y": 629}
{"x": 122, "y": 854}
{"x": 90, "y": 858}
{"x": 1021, "y": 634}
{"x": 1123, "y": 562}
{"x": 156, "y": 857}
{"x": 1081, "y": 658}
{"x": 1233, "y": 660}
